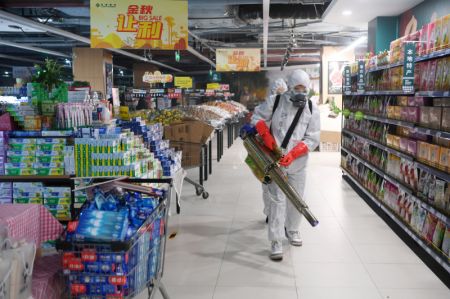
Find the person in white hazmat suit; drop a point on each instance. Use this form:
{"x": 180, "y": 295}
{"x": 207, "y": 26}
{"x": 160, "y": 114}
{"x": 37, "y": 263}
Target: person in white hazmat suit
{"x": 273, "y": 121}
{"x": 278, "y": 88}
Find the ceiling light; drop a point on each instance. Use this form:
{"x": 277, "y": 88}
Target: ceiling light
{"x": 6, "y": 73}
{"x": 67, "y": 61}
{"x": 347, "y": 13}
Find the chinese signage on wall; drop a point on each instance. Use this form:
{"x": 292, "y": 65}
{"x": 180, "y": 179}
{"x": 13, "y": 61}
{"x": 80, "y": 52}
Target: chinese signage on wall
{"x": 139, "y": 24}
{"x": 238, "y": 60}
{"x": 361, "y": 84}
{"x": 408, "y": 67}
{"x": 157, "y": 77}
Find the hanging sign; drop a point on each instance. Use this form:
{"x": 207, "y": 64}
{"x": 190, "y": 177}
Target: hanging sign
{"x": 408, "y": 67}
{"x": 139, "y": 24}
{"x": 213, "y": 86}
{"x": 157, "y": 91}
{"x": 210, "y": 92}
{"x": 183, "y": 82}
{"x": 157, "y": 77}
{"x": 173, "y": 93}
{"x": 225, "y": 87}
{"x": 238, "y": 60}
{"x": 361, "y": 83}
{"x": 347, "y": 80}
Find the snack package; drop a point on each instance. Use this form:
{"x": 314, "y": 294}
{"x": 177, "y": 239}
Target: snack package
{"x": 423, "y": 40}
{"x": 445, "y": 123}
{"x": 429, "y": 226}
{"x": 446, "y": 242}
{"x": 431, "y": 37}
{"x": 438, "y": 35}
{"x": 431, "y": 188}
{"x": 438, "y": 235}
{"x": 440, "y": 71}
{"x": 423, "y": 151}
{"x": 435, "y": 151}
{"x": 445, "y": 32}
{"x": 439, "y": 197}
{"x": 425, "y": 116}
{"x": 403, "y": 101}
{"x": 444, "y": 160}
{"x": 431, "y": 76}
{"x": 446, "y": 74}
{"x": 424, "y": 76}
{"x": 435, "y": 120}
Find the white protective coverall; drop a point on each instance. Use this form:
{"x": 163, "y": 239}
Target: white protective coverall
{"x": 279, "y": 87}
{"x": 282, "y": 212}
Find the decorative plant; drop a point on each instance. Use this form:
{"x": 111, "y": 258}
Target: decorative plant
{"x": 49, "y": 74}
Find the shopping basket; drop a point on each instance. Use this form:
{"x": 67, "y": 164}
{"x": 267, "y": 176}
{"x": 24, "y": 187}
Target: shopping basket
{"x": 120, "y": 269}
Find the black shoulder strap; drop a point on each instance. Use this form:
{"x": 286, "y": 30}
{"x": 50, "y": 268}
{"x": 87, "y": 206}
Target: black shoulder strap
{"x": 275, "y": 105}
{"x": 294, "y": 123}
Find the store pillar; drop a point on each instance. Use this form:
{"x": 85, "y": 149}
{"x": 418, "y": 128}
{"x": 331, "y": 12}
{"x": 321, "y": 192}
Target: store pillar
{"x": 94, "y": 66}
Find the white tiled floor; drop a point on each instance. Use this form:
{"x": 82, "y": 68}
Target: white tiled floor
{"x": 221, "y": 248}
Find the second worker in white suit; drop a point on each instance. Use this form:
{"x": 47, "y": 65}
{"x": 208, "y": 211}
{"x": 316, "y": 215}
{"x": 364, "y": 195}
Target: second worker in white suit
{"x": 278, "y": 88}
{"x": 293, "y": 124}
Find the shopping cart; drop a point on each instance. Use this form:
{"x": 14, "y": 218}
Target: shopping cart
{"x": 120, "y": 269}
{"x": 196, "y": 155}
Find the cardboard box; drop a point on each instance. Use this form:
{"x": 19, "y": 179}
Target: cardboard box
{"x": 190, "y": 153}
{"x": 191, "y": 131}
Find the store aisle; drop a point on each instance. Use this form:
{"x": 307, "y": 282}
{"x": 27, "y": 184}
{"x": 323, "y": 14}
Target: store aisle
{"x": 221, "y": 248}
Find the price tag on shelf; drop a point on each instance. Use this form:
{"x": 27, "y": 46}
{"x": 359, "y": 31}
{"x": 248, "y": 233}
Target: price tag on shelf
{"x": 408, "y": 67}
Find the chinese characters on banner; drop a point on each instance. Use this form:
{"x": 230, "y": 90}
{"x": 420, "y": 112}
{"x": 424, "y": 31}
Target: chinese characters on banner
{"x": 238, "y": 60}
{"x": 361, "y": 84}
{"x": 183, "y": 82}
{"x": 347, "y": 80}
{"x": 139, "y": 24}
{"x": 408, "y": 67}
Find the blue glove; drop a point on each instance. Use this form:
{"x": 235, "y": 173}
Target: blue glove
{"x": 247, "y": 129}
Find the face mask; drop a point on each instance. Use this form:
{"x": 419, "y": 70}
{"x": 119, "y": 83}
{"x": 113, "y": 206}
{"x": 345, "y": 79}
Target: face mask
{"x": 298, "y": 99}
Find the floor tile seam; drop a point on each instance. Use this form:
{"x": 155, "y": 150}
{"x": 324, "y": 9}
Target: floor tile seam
{"x": 226, "y": 248}
{"x": 359, "y": 256}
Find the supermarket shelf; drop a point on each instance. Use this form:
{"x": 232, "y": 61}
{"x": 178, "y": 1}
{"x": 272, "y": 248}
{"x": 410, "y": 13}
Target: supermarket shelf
{"x": 439, "y": 258}
{"x": 423, "y": 130}
{"x": 437, "y": 54}
{"x": 433, "y": 94}
{"x": 445, "y": 218}
{"x": 384, "y": 67}
{"x": 434, "y": 171}
{"x": 35, "y": 178}
{"x": 380, "y": 92}
{"x": 379, "y": 145}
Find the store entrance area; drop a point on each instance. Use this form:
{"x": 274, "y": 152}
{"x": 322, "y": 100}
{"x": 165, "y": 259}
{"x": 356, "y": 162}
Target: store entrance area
{"x": 221, "y": 248}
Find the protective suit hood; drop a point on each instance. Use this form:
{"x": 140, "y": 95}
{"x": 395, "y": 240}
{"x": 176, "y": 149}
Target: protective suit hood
{"x": 299, "y": 77}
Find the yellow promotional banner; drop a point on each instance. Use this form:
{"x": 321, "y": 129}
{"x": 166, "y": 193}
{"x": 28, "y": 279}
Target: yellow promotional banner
{"x": 213, "y": 86}
{"x": 139, "y": 24}
{"x": 183, "y": 82}
{"x": 238, "y": 60}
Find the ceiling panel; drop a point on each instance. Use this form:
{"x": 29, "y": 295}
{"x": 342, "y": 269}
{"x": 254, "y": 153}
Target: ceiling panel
{"x": 363, "y": 11}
